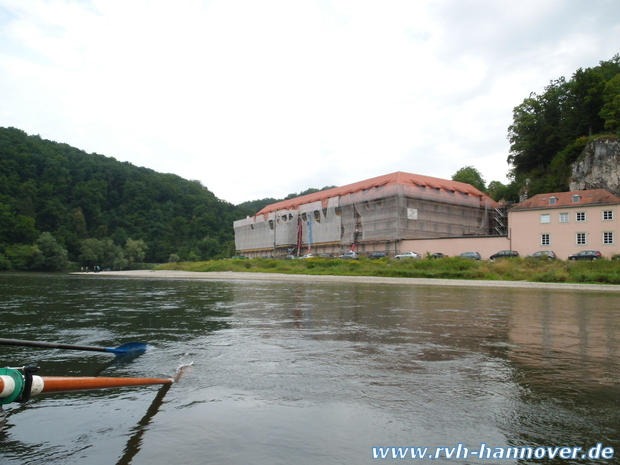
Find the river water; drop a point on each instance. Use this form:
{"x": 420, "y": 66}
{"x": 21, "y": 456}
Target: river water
{"x": 309, "y": 372}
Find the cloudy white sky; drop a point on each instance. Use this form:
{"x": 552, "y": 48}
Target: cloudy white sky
{"x": 263, "y": 98}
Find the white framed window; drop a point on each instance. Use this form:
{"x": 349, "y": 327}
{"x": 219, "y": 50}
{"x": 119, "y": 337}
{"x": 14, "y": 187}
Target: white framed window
{"x": 545, "y": 239}
{"x": 576, "y": 198}
{"x": 545, "y": 218}
{"x": 608, "y": 215}
{"x": 580, "y": 238}
{"x": 552, "y": 200}
{"x": 580, "y": 217}
{"x": 608, "y": 237}
{"x": 564, "y": 217}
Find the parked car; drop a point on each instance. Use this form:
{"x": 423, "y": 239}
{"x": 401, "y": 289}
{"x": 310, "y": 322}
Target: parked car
{"x": 504, "y": 254}
{"x": 543, "y": 254}
{"x": 376, "y": 255}
{"x": 326, "y": 255}
{"x": 308, "y": 255}
{"x": 350, "y": 255}
{"x": 408, "y": 255}
{"x": 290, "y": 257}
{"x": 471, "y": 255}
{"x": 438, "y": 255}
{"x": 586, "y": 255}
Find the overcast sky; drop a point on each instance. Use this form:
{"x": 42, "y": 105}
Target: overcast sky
{"x": 262, "y": 98}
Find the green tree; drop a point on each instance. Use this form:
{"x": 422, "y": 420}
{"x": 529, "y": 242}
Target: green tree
{"x": 103, "y": 253}
{"x": 472, "y": 176}
{"x": 6, "y": 223}
{"x": 5, "y": 264}
{"x": 24, "y": 230}
{"x": 611, "y": 110}
{"x": 135, "y": 251}
{"x": 537, "y": 133}
{"x": 503, "y": 192}
{"x": 54, "y": 256}
{"x": 24, "y": 257}
{"x": 120, "y": 236}
{"x": 91, "y": 252}
{"x": 79, "y": 223}
{"x": 119, "y": 262}
{"x": 585, "y": 99}
{"x": 208, "y": 248}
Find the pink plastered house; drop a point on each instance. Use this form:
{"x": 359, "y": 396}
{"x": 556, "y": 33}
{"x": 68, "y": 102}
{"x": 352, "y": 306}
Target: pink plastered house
{"x": 566, "y": 223}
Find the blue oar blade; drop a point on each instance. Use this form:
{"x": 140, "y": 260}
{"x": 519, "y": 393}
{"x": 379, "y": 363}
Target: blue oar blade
{"x": 128, "y": 348}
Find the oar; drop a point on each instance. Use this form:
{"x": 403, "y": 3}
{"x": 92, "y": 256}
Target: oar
{"x": 130, "y": 347}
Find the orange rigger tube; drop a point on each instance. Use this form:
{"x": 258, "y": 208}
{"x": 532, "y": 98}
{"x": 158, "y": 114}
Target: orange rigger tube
{"x": 13, "y": 385}
{"x": 43, "y": 384}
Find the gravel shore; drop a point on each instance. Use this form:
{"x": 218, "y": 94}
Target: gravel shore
{"x": 231, "y": 275}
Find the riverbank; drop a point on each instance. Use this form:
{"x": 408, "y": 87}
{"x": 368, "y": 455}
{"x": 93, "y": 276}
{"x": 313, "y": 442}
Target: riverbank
{"x": 453, "y": 268}
{"x": 250, "y": 276}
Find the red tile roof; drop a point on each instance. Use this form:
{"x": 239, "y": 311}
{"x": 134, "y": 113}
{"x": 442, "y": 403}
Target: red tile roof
{"x": 565, "y": 199}
{"x": 394, "y": 178}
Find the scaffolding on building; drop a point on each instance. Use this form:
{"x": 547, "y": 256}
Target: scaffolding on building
{"x": 378, "y": 212}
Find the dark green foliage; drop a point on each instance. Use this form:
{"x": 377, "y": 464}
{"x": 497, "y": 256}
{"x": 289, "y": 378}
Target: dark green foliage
{"x": 307, "y": 191}
{"x": 135, "y": 251}
{"x": 549, "y": 130}
{"x": 50, "y": 187}
{"x": 502, "y": 192}
{"x": 54, "y": 255}
{"x": 611, "y": 109}
{"x": 253, "y": 206}
{"x": 5, "y": 264}
{"x": 471, "y": 176}
{"x": 24, "y": 257}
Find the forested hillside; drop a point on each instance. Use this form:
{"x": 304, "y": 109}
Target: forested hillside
{"x": 102, "y": 211}
{"x": 550, "y": 130}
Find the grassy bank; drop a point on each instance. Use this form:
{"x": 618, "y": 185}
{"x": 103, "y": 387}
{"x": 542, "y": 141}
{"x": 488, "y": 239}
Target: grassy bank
{"x": 517, "y": 269}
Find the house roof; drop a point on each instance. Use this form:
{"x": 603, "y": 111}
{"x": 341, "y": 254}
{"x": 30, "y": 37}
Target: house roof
{"x": 398, "y": 177}
{"x": 565, "y": 199}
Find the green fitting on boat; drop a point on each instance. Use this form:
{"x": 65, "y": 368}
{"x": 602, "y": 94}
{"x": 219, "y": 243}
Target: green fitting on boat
{"x": 18, "y": 377}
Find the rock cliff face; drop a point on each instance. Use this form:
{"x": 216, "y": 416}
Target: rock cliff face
{"x": 598, "y": 167}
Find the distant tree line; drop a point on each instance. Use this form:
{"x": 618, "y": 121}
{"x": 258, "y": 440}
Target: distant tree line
{"x": 58, "y": 203}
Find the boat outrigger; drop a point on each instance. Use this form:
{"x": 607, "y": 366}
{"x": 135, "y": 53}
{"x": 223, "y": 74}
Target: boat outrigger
{"x": 19, "y": 384}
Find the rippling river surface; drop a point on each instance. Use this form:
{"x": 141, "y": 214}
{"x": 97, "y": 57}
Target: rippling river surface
{"x": 311, "y": 373}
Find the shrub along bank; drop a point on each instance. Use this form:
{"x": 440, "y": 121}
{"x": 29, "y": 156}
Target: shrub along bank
{"x": 515, "y": 269}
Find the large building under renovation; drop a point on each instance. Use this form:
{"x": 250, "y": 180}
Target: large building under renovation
{"x": 379, "y": 214}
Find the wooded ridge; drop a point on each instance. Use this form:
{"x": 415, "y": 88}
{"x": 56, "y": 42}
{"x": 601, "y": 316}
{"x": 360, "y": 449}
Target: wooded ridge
{"x": 102, "y": 211}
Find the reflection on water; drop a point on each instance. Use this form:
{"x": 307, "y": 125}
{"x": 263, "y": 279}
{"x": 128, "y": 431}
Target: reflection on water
{"x": 309, "y": 372}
